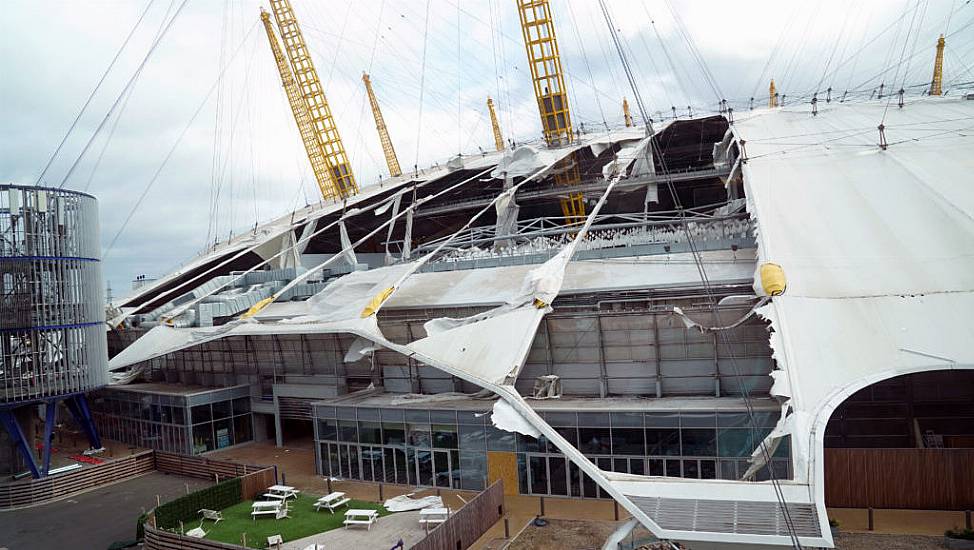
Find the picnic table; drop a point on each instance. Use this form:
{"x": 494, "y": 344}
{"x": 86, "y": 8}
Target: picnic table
{"x": 430, "y": 516}
{"x": 361, "y": 517}
{"x": 281, "y": 492}
{"x": 331, "y": 501}
{"x": 275, "y": 508}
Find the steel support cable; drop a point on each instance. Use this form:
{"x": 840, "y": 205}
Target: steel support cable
{"x": 87, "y": 102}
{"x": 588, "y": 66}
{"x": 913, "y": 50}
{"x": 179, "y": 139}
{"x": 708, "y": 289}
{"x": 118, "y": 99}
{"x": 835, "y": 46}
{"x": 776, "y": 49}
{"x": 212, "y": 217}
{"x": 906, "y": 40}
{"x": 666, "y": 53}
{"x": 422, "y": 86}
{"x": 694, "y": 52}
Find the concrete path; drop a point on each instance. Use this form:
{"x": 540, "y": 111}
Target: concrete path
{"x": 384, "y": 534}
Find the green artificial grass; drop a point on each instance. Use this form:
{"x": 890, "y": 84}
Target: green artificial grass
{"x": 303, "y": 522}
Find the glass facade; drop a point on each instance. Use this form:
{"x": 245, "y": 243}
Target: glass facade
{"x": 449, "y": 448}
{"x": 182, "y": 423}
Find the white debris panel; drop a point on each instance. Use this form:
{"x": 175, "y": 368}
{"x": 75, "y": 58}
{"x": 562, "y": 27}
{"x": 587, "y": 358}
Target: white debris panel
{"x": 877, "y": 247}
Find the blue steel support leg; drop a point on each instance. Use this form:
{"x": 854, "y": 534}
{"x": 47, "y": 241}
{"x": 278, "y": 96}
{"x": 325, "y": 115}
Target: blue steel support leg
{"x": 13, "y": 428}
{"x": 78, "y": 405}
{"x": 50, "y": 417}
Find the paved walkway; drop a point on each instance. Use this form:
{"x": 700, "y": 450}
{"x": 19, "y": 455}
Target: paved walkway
{"x": 384, "y": 534}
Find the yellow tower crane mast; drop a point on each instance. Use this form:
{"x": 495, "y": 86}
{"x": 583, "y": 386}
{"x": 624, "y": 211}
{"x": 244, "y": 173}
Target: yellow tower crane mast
{"x": 498, "y": 138}
{"x": 342, "y": 181}
{"x": 380, "y": 124}
{"x": 936, "y": 84}
{"x": 626, "y": 113}
{"x": 772, "y": 95}
{"x": 301, "y": 116}
{"x": 544, "y": 61}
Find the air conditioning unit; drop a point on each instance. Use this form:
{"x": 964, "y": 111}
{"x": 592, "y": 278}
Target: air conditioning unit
{"x": 547, "y": 387}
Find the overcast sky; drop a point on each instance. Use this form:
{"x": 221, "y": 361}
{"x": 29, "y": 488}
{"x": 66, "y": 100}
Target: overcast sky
{"x": 211, "y": 86}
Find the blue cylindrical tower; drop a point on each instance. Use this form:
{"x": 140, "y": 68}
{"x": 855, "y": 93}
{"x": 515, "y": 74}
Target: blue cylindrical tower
{"x": 52, "y": 328}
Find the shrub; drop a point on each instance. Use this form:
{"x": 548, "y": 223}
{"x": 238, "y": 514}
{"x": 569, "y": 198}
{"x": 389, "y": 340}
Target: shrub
{"x": 186, "y": 508}
{"x": 957, "y": 533}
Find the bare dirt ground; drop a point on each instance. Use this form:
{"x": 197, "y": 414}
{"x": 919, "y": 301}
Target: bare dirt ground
{"x": 560, "y": 534}
{"x": 871, "y": 541}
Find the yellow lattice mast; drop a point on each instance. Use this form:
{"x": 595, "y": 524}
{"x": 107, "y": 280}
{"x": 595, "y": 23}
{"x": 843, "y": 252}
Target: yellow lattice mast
{"x": 498, "y": 138}
{"x": 772, "y": 95}
{"x": 936, "y": 84}
{"x": 340, "y": 171}
{"x": 380, "y": 125}
{"x": 626, "y": 113}
{"x": 544, "y": 61}
{"x": 300, "y": 110}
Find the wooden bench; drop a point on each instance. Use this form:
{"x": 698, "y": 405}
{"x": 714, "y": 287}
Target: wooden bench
{"x": 331, "y": 501}
{"x": 361, "y": 517}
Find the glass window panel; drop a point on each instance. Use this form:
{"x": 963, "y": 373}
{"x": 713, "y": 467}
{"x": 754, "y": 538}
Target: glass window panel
{"x": 698, "y": 420}
{"x": 345, "y": 413}
{"x": 574, "y": 479}
{"x": 372, "y": 463}
{"x": 201, "y": 413}
{"x": 369, "y": 432}
{"x": 728, "y": 469}
{"x": 708, "y": 469}
{"x": 424, "y": 460}
{"x": 223, "y": 429}
{"x": 393, "y": 433}
{"x": 328, "y": 430}
{"x": 243, "y": 429}
{"x": 620, "y": 465}
{"x": 499, "y": 440}
{"x": 604, "y": 463}
{"x": 473, "y": 437}
{"x": 202, "y": 438}
{"x": 392, "y": 415}
{"x": 405, "y": 473}
{"x": 473, "y": 470}
{"x": 354, "y": 472}
{"x": 471, "y": 417}
{"x": 222, "y": 409}
{"x": 418, "y": 417}
{"x": 418, "y": 435}
{"x": 411, "y": 466}
{"x": 326, "y": 412}
{"x": 690, "y": 469}
{"x": 655, "y": 466}
{"x": 455, "y": 469}
{"x": 539, "y": 475}
{"x": 733, "y": 420}
{"x": 594, "y": 440}
{"x": 662, "y": 441}
{"x": 178, "y": 415}
{"x": 627, "y": 419}
{"x": 528, "y": 444}
{"x": 445, "y": 436}
{"x": 662, "y": 420}
{"x": 347, "y": 431}
{"x": 734, "y": 442}
{"x": 636, "y": 466}
{"x": 368, "y": 414}
{"x": 628, "y": 441}
{"x": 241, "y": 405}
{"x": 593, "y": 419}
{"x": 558, "y": 475}
{"x": 672, "y": 468}
{"x": 522, "y": 474}
{"x": 561, "y": 418}
{"x": 443, "y": 417}
{"x": 699, "y": 441}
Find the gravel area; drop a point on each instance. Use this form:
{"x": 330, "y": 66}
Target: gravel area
{"x": 561, "y": 534}
{"x": 870, "y": 541}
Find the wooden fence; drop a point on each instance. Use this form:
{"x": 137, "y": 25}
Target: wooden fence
{"x": 158, "y": 539}
{"x": 35, "y": 491}
{"x": 923, "y": 479}
{"x": 468, "y": 523}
